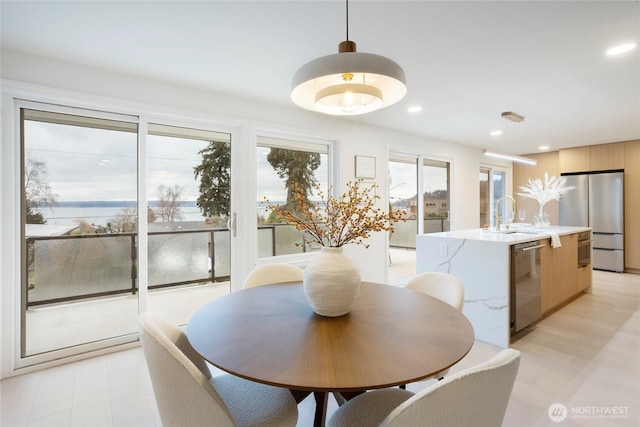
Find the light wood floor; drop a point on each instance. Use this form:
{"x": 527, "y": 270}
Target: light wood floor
{"x": 585, "y": 356}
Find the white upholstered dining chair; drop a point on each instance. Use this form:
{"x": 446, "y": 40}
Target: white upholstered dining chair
{"x": 273, "y": 273}
{"x": 477, "y": 396}
{"x": 187, "y": 394}
{"x": 269, "y": 274}
{"x": 445, "y": 287}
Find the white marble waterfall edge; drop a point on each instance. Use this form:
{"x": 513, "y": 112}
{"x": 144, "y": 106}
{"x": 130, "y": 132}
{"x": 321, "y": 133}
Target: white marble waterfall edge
{"x": 483, "y": 267}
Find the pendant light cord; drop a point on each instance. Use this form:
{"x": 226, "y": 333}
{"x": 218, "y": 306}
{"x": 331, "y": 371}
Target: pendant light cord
{"x": 347, "y": 19}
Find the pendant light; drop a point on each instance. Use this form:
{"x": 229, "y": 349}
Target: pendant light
{"x": 511, "y": 157}
{"x": 349, "y": 82}
{"x": 517, "y": 118}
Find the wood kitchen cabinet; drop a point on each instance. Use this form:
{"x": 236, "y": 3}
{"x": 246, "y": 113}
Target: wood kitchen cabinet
{"x": 613, "y": 156}
{"x": 606, "y": 157}
{"x": 584, "y": 277}
{"x": 632, "y": 206}
{"x": 559, "y": 268}
{"x": 576, "y": 159}
{"x": 599, "y": 157}
{"x": 546, "y": 162}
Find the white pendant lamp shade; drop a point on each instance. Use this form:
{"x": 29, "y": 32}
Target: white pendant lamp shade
{"x": 348, "y": 83}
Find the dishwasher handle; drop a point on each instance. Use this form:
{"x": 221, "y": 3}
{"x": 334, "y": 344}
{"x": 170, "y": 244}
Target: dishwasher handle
{"x": 531, "y": 248}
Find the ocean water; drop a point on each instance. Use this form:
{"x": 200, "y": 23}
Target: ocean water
{"x": 101, "y": 215}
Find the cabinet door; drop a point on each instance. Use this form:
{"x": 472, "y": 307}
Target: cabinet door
{"x": 575, "y": 159}
{"x": 607, "y": 156}
{"x": 584, "y": 277}
{"x": 632, "y": 206}
{"x": 549, "y": 163}
{"x": 522, "y": 173}
{"x": 565, "y": 269}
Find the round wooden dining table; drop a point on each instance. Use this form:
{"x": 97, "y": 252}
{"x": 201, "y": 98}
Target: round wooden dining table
{"x": 271, "y": 335}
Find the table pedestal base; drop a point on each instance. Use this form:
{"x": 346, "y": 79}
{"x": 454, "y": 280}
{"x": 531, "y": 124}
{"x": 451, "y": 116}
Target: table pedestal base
{"x": 320, "y": 417}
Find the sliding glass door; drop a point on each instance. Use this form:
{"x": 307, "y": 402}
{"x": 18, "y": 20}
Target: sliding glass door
{"x": 118, "y": 216}
{"x": 78, "y": 268}
{"x": 419, "y": 187}
{"x": 492, "y": 186}
{"x": 188, "y": 219}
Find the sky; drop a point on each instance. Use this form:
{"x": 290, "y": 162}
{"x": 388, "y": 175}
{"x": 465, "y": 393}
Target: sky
{"x": 88, "y": 164}
{"x": 403, "y": 179}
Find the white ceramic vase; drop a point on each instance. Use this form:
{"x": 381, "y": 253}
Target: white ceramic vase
{"x": 331, "y": 282}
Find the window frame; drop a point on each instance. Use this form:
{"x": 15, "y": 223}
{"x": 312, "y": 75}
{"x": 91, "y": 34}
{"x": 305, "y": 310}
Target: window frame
{"x": 331, "y": 144}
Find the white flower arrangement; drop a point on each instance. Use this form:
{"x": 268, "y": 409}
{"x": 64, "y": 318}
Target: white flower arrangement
{"x": 552, "y": 189}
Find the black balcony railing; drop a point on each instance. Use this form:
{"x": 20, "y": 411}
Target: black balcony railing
{"x": 72, "y": 267}
{"x": 75, "y": 267}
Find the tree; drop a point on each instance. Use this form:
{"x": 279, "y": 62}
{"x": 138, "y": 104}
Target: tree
{"x": 169, "y": 198}
{"x": 297, "y": 169}
{"x": 214, "y": 173}
{"x": 124, "y": 222}
{"x": 38, "y": 193}
{"x": 151, "y": 215}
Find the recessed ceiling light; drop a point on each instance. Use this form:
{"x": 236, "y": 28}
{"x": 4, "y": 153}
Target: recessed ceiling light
{"x": 621, "y": 48}
{"x": 496, "y": 133}
{"x": 543, "y": 147}
{"x": 414, "y": 109}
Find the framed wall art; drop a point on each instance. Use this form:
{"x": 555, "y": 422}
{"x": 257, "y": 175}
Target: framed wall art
{"x": 365, "y": 167}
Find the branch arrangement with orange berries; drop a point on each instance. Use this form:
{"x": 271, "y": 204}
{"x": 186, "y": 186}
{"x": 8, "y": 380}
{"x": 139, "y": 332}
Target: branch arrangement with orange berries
{"x": 337, "y": 221}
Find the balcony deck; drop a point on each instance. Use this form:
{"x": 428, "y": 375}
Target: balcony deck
{"x": 76, "y": 322}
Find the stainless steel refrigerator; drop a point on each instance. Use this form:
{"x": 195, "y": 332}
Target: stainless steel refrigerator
{"x": 598, "y": 202}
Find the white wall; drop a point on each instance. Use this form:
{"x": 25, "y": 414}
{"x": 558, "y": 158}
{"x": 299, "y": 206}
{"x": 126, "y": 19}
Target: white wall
{"x": 53, "y": 80}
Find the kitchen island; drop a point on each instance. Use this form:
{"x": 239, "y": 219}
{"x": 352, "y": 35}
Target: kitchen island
{"x": 482, "y": 260}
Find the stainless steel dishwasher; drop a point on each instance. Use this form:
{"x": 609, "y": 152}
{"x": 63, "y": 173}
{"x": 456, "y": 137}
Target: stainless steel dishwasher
{"x": 526, "y": 304}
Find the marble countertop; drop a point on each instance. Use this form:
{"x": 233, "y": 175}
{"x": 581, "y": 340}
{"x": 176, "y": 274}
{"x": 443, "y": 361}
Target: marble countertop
{"x": 528, "y": 234}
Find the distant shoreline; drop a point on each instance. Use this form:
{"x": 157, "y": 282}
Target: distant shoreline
{"x": 115, "y": 204}
{"x": 128, "y": 204}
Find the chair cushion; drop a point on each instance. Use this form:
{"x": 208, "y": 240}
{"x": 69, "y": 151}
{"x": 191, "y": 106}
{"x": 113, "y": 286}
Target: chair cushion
{"x": 255, "y": 404}
{"x": 370, "y": 408}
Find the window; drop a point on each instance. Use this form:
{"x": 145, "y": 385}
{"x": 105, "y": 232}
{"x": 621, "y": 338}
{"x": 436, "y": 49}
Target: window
{"x": 282, "y": 163}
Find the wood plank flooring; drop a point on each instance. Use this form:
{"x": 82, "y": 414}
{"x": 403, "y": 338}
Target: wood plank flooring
{"x": 586, "y": 357}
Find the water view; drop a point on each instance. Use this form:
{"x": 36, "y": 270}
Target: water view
{"x": 101, "y": 212}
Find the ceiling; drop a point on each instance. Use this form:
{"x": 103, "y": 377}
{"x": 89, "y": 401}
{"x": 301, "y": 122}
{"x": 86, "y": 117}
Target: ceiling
{"x": 465, "y": 62}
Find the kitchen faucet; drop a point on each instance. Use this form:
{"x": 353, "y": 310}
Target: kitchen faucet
{"x": 498, "y": 210}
